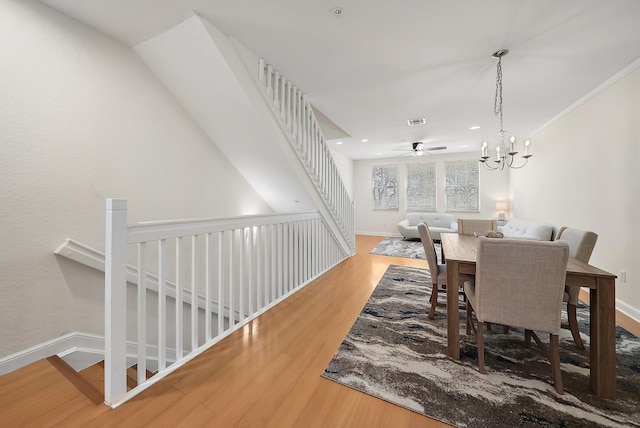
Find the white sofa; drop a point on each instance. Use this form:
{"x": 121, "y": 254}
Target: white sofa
{"x": 526, "y": 229}
{"x": 437, "y": 223}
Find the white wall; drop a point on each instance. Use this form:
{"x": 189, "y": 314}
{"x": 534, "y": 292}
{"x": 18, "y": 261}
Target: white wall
{"x": 83, "y": 119}
{"x": 494, "y": 185}
{"x": 585, "y": 173}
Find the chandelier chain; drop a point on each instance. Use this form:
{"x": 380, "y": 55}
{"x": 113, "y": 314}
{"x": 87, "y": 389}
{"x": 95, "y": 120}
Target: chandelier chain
{"x": 497, "y": 104}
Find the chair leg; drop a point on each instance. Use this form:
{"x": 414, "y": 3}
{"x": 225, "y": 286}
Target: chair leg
{"x": 554, "y": 354}
{"x": 434, "y": 300}
{"x": 527, "y": 338}
{"x": 573, "y": 325}
{"x": 468, "y": 318}
{"x": 480, "y": 338}
{"x": 505, "y": 329}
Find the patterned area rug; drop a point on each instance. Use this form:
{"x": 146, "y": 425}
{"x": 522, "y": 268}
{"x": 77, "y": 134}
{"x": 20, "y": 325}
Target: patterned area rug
{"x": 394, "y": 352}
{"x": 398, "y": 247}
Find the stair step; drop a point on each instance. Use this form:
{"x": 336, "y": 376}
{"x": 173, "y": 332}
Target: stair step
{"x": 83, "y": 385}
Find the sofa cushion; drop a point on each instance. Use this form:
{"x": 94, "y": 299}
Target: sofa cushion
{"x": 527, "y": 229}
{"x": 432, "y": 219}
{"x": 437, "y": 223}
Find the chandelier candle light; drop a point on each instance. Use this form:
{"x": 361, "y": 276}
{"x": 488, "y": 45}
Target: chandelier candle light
{"x": 503, "y": 157}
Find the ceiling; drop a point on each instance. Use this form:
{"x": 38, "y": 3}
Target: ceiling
{"x": 380, "y": 63}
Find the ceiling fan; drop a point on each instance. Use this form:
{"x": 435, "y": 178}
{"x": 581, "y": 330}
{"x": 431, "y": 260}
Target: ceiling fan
{"x": 418, "y": 149}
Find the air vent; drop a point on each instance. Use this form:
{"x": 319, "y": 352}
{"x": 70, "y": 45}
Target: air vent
{"x": 419, "y": 121}
{"x": 433, "y": 149}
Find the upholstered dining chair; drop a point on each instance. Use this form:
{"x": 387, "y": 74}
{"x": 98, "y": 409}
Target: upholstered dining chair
{"x": 437, "y": 271}
{"x": 520, "y": 283}
{"x": 470, "y": 226}
{"x": 581, "y": 244}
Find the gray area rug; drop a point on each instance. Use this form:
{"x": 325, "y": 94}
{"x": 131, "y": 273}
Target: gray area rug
{"x": 398, "y": 247}
{"x": 394, "y": 352}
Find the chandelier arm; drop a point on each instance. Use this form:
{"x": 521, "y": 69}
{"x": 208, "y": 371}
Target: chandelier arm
{"x": 488, "y": 167}
{"x": 518, "y": 167}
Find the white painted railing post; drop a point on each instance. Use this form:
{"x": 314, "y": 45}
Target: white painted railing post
{"x": 115, "y": 327}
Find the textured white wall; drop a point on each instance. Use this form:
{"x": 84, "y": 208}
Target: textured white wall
{"x": 494, "y": 185}
{"x": 83, "y": 119}
{"x": 585, "y": 173}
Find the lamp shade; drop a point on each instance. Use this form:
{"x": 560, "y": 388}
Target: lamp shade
{"x": 502, "y": 205}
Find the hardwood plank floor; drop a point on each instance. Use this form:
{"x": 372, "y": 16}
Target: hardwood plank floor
{"x": 265, "y": 375}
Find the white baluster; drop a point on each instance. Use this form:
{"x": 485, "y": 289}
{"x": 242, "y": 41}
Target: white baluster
{"x": 270, "y": 82}
{"x": 179, "y": 304}
{"x": 261, "y": 77}
{"x": 232, "y": 318}
{"x": 207, "y": 283}
{"x": 220, "y": 281}
{"x": 194, "y": 295}
{"x": 142, "y": 313}
{"x": 276, "y": 92}
{"x": 162, "y": 305}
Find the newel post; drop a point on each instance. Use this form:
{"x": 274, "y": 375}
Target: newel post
{"x": 115, "y": 326}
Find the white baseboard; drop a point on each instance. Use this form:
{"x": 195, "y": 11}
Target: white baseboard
{"x": 79, "y": 350}
{"x": 629, "y": 311}
{"x": 58, "y": 346}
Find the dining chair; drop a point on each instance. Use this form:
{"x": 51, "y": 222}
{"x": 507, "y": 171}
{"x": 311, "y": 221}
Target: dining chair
{"x": 437, "y": 271}
{"x": 471, "y": 226}
{"x": 581, "y": 244}
{"x": 520, "y": 283}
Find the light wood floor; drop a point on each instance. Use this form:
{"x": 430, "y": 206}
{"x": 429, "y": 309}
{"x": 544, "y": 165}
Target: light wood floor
{"x": 267, "y": 374}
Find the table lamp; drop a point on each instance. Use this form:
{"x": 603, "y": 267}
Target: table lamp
{"x": 502, "y": 206}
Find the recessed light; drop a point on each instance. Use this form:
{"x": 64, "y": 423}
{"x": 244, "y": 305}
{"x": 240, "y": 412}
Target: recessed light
{"x": 465, "y": 146}
{"x": 364, "y": 140}
{"x": 473, "y": 128}
{"x": 338, "y": 142}
{"x": 378, "y": 153}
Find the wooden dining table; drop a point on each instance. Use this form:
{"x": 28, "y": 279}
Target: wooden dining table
{"x": 459, "y": 254}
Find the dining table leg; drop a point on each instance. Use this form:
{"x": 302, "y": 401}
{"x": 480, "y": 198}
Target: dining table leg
{"x": 453, "y": 315}
{"x": 603, "y": 338}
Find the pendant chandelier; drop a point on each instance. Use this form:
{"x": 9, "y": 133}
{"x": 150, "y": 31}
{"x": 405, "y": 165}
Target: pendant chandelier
{"x": 505, "y": 156}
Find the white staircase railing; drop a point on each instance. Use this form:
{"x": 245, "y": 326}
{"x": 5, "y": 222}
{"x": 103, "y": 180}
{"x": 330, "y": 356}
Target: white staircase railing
{"x": 297, "y": 119}
{"x": 240, "y": 267}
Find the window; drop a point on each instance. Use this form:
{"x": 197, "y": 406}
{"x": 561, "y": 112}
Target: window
{"x": 462, "y": 186}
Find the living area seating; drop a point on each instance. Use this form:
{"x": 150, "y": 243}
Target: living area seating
{"x": 520, "y": 283}
{"x": 436, "y": 222}
{"x": 581, "y": 244}
{"x": 526, "y": 229}
{"x": 471, "y": 226}
{"x": 437, "y": 271}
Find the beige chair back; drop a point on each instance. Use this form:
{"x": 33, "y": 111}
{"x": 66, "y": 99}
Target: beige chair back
{"x": 581, "y": 243}
{"x": 520, "y": 283}
{"x": 429, "y": 250}
{"x": 469, "y": 226}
